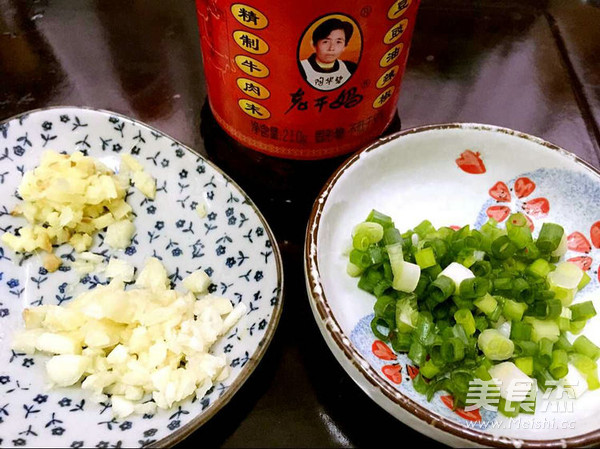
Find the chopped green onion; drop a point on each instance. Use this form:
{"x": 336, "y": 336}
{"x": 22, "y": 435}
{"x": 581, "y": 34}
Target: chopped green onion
{"x": 407, "y": 279}
{"x": 487, "y": 304}
{"x": 549, "y": 237}
{"x": 382, "y": 219}
{"x": 464, "y": 317}
{"x": 441, "y": 289}
{"x": 425, "y": 258}
{"x": 584, "y": 346}
{"x": 353, "y": 270}
{"x": 539, "y": 267}
{"x": 520, "y": 331}
{"x": 474, "y": 288}
{"x": 543, "y": 329}
{"x": 583, "y": 311}
{"x": 424, "y": 229}
{"x": 494, "y": 345}
{"x": 525, "y": 364}
{"x": 503, "y": 248}
{"x": 514, "y": 310}
{"x": 391, "y": 235}
{"x": 359, "y": 258}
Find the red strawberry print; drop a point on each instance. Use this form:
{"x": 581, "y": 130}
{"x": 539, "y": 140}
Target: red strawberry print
{"x": 538, "y": 207}
{"x": 577, "y": 242}
{"x": 470, "y": 162}
{"x": 523, "y": 187}
{"x": 456, "y": 228}
{"x": 529, "y": 223}
{"x": 393, "y": 373}
{"x": 595, "y": 234}
{"x": 472, "y": 415}
{"x": 498, "y": 213}
{"x": 381, "y": 350}
{"x": 500, "y": 192}
{"x": 583, "y": 262}
{"x": 412, "y": 371}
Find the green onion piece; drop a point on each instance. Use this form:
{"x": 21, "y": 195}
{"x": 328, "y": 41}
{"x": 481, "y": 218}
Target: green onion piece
{"x": 425, "y": 258}
{"x": 543, "y": 329}
{"x": 559, "y": 366}
{"x": 583, "y": 311}
{"x": 396, "y": 256}
{"x": 429, "y": 369}
{"x": 376, "y": 255}
{"x": 544, "y": 379}
{"x": 381, "y": 287}
{"x": 549, "y": 237}
{"x": 585, "y": 280}
{"x": 424, "y": 229}
{"x": 441, "y": 289}
{"x": 375, "y": 323}
{"x": 385, "y": 307}
{"x": 353, "y": 270}
{"x": 527, "y": 348}
{"x": 520, "y": 236}
{"x": 359, "y": 258}
{"x": 494, "y": 345}
{"x": 487, "y": 304}
{"x": 545, "y": 348}
{"x": 510, "y": 409}
{"x": 481, "y": 323}
{"x": 481, "y": 268}
{"x": 525, "y": 364}
{"x": 588, "y": 369}
{"x": 367, "y": 284}
{"x": 360, "y": 242}
{"x": 503, "y": 248}
{"x": 434, "y": 272}
{"x": 391, "y": 235}
{"x": 520, "y": 331}
{"x": 513, "y": 310}
{"x": 407, "y": 314}
{"x": 563, "y": 343}
{"x": 453, "y": 350}
{"x": 482, "y": 373}
{"x": 387, "y": 270}
{"x": 577, "y": 326}
{"x": 417, "y": 353}
{"x": 517, "y": 220}
{"x": 419, "y": 384}
{"x": 464, "y": 317}
{"x": 553, "y": 308}
{"x": 401, "y": 342}
{"x": 425, "y": 331}
{"x": 408, "y": 278}
{"x": 372, "y": 232}
{"x": 584, "y": 346}
{"x": 472, "y": 288}
{"x": 382, "y": 219}
{"x": 522, "y": 290}
{"x": 503, "y": 284}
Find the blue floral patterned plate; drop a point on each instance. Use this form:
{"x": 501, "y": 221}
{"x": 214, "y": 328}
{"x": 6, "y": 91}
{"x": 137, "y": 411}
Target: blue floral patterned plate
{"x": 233, "y": 244}
{"x": 452, "y": 175}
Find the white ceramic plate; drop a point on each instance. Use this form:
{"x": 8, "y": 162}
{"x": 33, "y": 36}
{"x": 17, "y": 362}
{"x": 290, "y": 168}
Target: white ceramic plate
{"x": 451, "y": 175}
{"x": 233, "y": 244}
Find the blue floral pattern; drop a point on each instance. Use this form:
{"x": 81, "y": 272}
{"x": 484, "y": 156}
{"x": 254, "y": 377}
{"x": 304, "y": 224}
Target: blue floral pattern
{"x": 232, "y": 244}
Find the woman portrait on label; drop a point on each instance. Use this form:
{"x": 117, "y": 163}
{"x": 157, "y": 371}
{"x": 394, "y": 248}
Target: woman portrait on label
{"x": 324, "y": 70}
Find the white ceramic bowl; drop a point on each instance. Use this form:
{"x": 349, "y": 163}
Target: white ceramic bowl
{"x": 233, "y": 243}
{"x": 452, "y": 174}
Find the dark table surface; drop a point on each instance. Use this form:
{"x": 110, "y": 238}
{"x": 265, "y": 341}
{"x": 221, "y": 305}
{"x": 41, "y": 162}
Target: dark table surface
{"x": 530, "y": 65}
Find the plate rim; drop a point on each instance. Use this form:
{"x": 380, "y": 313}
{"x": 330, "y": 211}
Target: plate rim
{"x": 195, "y": 423}
{"x": 347, "y": 353}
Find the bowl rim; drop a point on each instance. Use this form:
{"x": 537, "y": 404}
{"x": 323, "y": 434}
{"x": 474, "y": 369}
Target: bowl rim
{"x": 332, "y": 331}
{"x": 195, "y": 423}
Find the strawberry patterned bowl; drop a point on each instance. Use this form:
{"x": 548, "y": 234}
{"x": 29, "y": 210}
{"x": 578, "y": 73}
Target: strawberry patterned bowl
{"x": 451, "y": 175}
